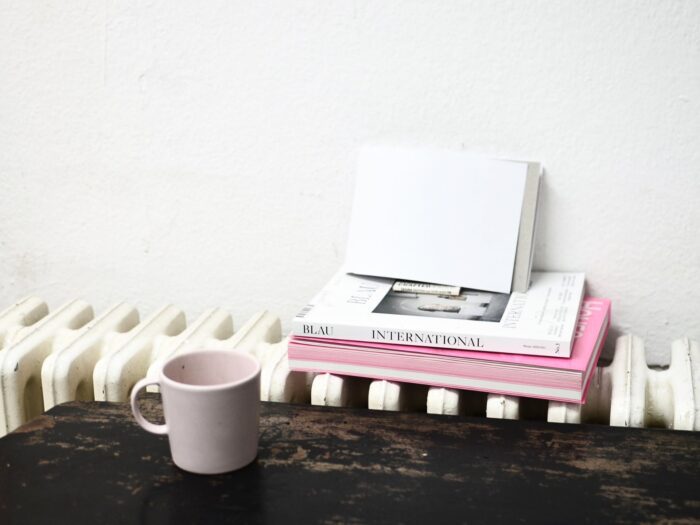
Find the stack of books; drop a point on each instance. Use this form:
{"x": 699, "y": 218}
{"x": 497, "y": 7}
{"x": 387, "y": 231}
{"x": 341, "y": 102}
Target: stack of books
{"x": 498, "y": 328}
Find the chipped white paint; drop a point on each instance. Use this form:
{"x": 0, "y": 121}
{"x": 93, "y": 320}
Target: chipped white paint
{"x": 645, "y": 397}
{"x": 446, "y": 401}
{"x": 277, "y": 382}
{"x": 47, "y": 359}
{"x": 50, "y": 358}
{"x": 393, "y": 396}
{"x": 337, "y": 391}
{"x": 132, "y": 352}
{"x": 386, "y": 395}
{"x": 502, "y": 407}
{"x": 67, "y": 374}
{"x": 22, "y": 357}
{"x": 630, "y": 394}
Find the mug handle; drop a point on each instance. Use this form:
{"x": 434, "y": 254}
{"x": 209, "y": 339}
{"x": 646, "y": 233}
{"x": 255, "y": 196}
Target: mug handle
{"x": 145, "y": 424}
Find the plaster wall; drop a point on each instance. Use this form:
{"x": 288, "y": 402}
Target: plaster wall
{"x": 204, "y": 153}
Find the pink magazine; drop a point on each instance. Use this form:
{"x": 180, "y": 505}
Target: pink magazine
{"x": 531, "y": 376}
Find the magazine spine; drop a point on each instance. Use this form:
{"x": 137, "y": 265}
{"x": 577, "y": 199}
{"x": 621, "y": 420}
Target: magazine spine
{"x": 501, "y": 344}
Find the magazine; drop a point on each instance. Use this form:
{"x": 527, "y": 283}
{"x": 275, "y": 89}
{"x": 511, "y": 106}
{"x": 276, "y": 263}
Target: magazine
{"x": 544, "y": 377}
{"x": 540, "y": 321}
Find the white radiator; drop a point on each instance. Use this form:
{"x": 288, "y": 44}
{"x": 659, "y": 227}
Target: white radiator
{"x": 69, "y": 354}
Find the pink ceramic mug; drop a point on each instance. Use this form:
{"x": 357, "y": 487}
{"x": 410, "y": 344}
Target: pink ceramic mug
{"x": 211, "y": 404}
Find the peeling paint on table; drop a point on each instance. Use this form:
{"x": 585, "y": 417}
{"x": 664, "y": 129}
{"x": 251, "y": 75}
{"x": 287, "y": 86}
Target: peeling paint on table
{"x": 88, "y": 460}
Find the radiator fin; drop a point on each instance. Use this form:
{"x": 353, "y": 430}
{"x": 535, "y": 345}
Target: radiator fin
{"x": 47, "y": 358}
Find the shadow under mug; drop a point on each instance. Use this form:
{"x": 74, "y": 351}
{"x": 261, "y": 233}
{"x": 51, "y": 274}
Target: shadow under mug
{"x": 211, "y": 405}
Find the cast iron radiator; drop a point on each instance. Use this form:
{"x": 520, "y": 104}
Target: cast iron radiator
{"x": 47, "y": 358}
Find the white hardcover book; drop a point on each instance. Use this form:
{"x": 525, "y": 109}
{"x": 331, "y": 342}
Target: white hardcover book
{"x": 411, "y": 204}
{"x": 540, "y": 321}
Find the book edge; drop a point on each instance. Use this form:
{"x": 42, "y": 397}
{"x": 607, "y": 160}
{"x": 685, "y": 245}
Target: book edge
{"x": 524, "y": 251}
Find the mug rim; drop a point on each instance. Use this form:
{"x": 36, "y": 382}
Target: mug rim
{"x": 218, "y": 386}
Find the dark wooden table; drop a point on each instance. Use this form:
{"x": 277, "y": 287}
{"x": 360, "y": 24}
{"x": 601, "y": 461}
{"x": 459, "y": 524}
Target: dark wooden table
{"x": 90, "y": 463}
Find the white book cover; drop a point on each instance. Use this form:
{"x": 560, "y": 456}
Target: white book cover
{"x": 540, "y": 321}
{"x": 565, "y": 380}
{"x": 444, "y": 217}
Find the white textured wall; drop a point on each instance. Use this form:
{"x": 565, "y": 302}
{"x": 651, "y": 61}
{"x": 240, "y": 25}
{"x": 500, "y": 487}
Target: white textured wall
{"x": 203, "y": 153}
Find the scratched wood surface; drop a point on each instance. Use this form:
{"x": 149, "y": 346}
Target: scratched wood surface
{"x": 89, "y": 462}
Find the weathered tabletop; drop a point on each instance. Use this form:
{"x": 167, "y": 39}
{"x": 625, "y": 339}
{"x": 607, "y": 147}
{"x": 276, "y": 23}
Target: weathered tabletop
{"x": 89, "y": 462}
